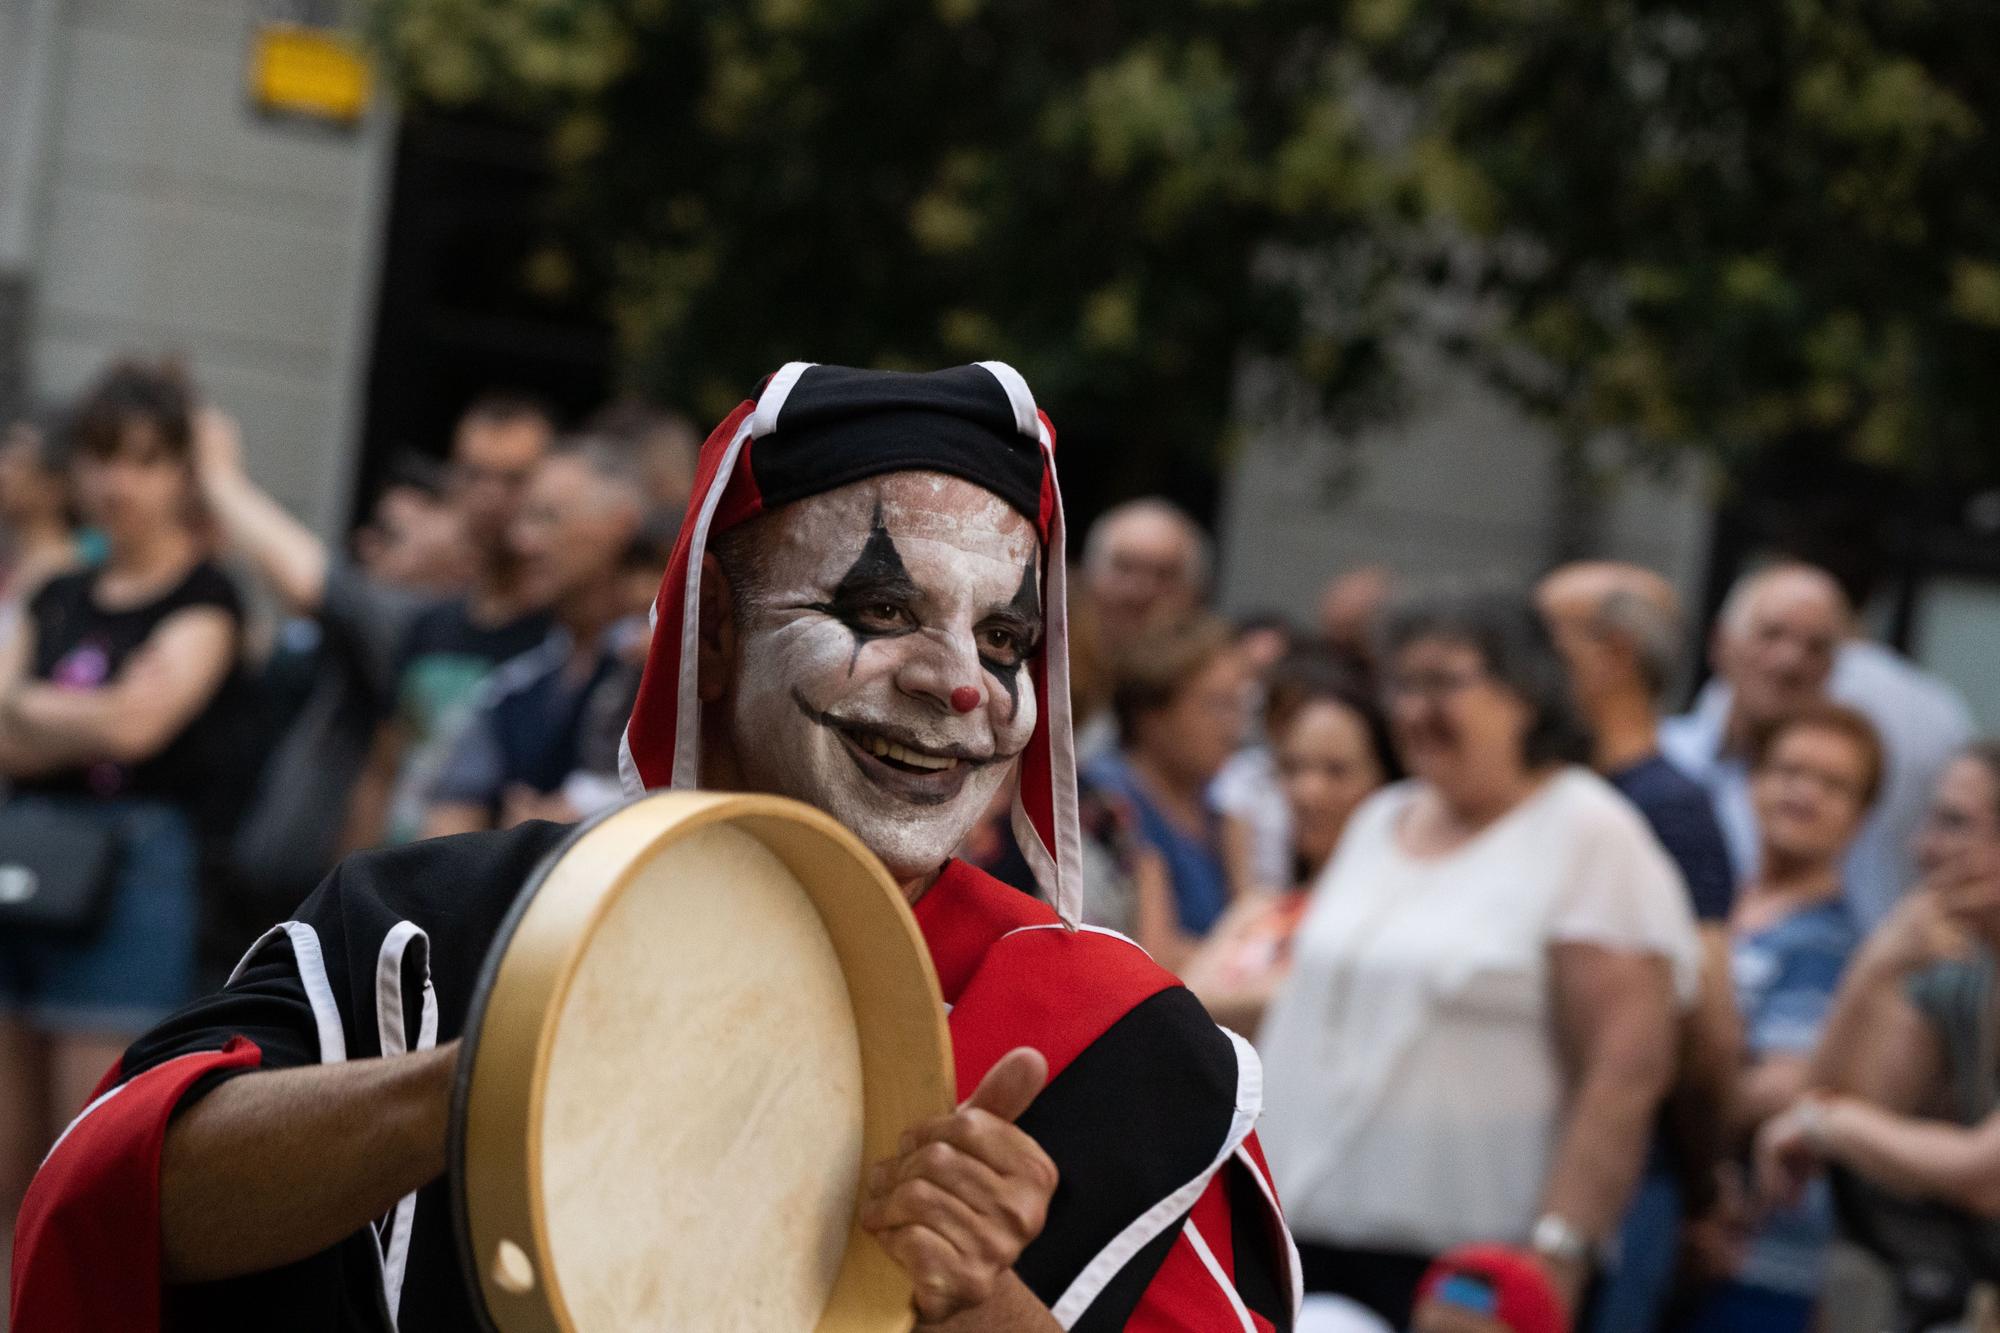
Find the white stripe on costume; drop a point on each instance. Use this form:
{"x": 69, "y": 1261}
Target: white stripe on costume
{"x": 311, "y": 963}
{"x": 763, "y": 419}
{"x": 1019, "y": 397}
{"x": 389, "y": 1023}
{"x": 1144, "y": 1229}
{"x": 1294, "y": 1265}
{"x": 1068, "y": 851}
{"x": 1222, "y": 1279}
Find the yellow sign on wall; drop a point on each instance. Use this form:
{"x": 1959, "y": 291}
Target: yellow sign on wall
{"x": 313, "y": 72}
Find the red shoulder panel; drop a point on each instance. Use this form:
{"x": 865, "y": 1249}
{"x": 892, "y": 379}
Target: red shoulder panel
{"x": 1050, "y": 988}
{"x": 962, "y": 916}
{"x": 1016, "y": 976}
{"x": 87, "y": 1246}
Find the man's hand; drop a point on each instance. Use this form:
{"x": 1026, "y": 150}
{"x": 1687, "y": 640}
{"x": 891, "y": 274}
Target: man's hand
{"x": 1787, "y": 1152}
{"x": 967, "y": 1193}
{"x": 1713, "y": 1245}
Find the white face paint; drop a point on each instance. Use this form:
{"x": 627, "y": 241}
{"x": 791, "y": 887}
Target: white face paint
{"x": 887, "y": 606}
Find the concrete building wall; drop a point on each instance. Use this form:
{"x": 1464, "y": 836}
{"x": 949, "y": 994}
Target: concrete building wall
{"x": 170, "y": 215}
{"x": 1463, "y": 484}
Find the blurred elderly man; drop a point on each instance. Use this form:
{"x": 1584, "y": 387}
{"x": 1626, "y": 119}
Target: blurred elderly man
{"x": 1782, "y": 642}
{"x": 1620, "y": 632}
{"x": 1144, "y": 561}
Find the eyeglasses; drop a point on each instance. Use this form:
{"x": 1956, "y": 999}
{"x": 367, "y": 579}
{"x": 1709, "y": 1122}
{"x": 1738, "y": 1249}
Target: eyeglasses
{"x": 1834, "y": 784}
{"x": 473, "y": 474}
{"x": 1430, "y": 686}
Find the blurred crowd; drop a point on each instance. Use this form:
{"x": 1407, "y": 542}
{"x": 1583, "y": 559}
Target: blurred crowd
{"x": 1692, "y": 1010}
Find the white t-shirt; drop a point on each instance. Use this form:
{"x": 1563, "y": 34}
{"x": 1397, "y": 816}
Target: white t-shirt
{"x": 1412, "y": 1094}
{"x": 1248, "y": 789}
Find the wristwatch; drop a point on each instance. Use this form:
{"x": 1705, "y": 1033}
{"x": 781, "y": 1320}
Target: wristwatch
{"x": 1555, "y": 1238}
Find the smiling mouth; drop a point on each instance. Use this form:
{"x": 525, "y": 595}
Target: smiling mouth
{"x": 915, "y": 773}
{"x": 899, "y": 756}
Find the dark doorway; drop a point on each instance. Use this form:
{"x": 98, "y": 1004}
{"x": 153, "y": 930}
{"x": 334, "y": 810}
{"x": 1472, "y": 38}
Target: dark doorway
{"x": 476, "y": 291}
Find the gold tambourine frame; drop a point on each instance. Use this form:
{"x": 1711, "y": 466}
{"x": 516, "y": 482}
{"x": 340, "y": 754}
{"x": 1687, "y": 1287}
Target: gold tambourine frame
{"x": 510, "y": 1037}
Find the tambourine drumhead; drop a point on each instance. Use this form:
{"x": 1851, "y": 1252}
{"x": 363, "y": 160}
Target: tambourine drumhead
{"x": 710, "y": 1012}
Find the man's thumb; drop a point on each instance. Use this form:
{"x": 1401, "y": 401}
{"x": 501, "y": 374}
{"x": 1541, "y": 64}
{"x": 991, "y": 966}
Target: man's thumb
{"x": 1012, "y": 1085}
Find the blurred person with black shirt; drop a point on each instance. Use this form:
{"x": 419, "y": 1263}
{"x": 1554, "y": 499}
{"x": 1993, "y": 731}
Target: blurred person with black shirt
{"x": 122, "y": 712}
{"x": 331, "y": 678}
{"x": 451, "y": 647}
{"x": 515, "y": 759}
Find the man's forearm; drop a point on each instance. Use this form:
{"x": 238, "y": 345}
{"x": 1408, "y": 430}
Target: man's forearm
{"x": 61, "y": 728}
{"x": 272, "y": 1167}
{"x": 1601, "y": 1152}
{"x": 1012, "y": 1309}
{"x": 1927, "y": 1158}
{"x": 1847, "y": 1042}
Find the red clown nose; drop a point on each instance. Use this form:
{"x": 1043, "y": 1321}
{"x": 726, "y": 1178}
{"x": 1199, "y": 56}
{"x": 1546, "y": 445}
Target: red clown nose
{"x": 964, "y": 699}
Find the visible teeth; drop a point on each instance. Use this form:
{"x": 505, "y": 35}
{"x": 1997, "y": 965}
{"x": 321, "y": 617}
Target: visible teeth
{"x": 887, "y": 749}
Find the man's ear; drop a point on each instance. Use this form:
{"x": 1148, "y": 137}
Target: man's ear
{"x": 716, "y": 643}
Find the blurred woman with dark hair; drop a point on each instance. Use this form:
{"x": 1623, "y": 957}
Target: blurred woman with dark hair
{"x": 120, "y": 715}
{"x": 1330, "y": 750}
{"x": 1479, "y": 1022}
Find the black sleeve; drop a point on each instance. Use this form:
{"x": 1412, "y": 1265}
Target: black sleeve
{"x": 267, "y": 1004}
{"x": 1692, "y": 837}
{"x": 1134, "y": 1118}
{"x": 207, "y": 585}
{"x": 367, "y": 622}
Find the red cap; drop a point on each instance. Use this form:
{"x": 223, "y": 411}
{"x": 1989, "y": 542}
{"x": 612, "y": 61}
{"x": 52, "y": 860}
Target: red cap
{"x": 1524, "y": 1298}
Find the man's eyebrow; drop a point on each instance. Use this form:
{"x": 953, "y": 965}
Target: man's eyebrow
{"x": 878, "y": 571}
{"x": 1024, "y": 610}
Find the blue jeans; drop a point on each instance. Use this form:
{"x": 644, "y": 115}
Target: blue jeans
{"x": 139, "y": 966}
{"x": 1737, "y": 1307}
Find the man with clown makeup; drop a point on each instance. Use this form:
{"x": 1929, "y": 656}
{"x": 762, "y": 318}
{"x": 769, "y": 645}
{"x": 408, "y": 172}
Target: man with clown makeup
{"x": 864, "y": 612}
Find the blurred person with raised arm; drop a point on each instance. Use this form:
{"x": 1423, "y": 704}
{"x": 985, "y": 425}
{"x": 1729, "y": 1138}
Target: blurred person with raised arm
{"x": 1905, "y": 1087}
{"x": 331, "y": 680}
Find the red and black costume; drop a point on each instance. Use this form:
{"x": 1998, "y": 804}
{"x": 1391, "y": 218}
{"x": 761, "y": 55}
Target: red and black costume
{"x": 1164, "y": 1218}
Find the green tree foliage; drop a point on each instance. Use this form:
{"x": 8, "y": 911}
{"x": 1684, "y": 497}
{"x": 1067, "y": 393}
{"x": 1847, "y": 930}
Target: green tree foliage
{"x": 1122, "y": 202}
{"x": 1708, "y": 222}
{"x": 1739, "y": 225}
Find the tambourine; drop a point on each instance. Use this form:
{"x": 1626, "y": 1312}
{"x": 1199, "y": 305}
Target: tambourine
{"x": 703, "y": 1018}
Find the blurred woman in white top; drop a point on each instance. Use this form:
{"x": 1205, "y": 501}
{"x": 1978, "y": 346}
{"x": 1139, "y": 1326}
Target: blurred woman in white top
{"x": 1479, "y": 1022}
